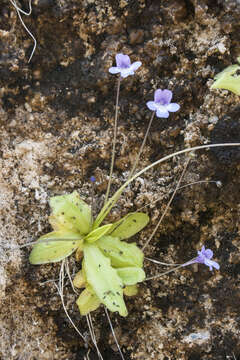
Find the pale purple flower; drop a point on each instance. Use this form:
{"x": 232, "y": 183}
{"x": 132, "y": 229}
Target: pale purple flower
{"x": 162, "y": 103}
{"x": 124, "y": 66}
{"x": 204, "y": 257}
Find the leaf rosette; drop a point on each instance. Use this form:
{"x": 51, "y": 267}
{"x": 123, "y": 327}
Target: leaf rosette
{"x": 111, "y": 267}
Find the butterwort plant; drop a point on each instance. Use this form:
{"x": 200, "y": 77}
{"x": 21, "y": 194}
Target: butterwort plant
{"x": 111, "y": 267}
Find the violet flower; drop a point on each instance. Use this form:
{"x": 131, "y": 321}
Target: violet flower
{"x": 162, "y": 103}
{"x": 124, "y": 66}
{"x": 204, "y": 257}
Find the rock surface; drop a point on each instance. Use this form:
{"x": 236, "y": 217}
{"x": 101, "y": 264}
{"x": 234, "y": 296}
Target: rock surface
{"x": 56, "y": 118}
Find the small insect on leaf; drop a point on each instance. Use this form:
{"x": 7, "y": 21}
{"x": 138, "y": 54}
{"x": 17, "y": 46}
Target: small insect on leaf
{"x": 103, "y": 279}
{"x": 129, "y": 225}
{"x": 121, "y": 253}
{"x": 70, "y": 212}
{"x": 98, "y": 233}
{"x": 54, "y": 247}
{"x": 228, "y": 79}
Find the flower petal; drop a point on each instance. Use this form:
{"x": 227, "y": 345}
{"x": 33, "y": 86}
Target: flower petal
{"x": 158, "y": 95}
{"x": 216, "y": 265}
{"x": 114, "y": 70}
{"x": 166, "y": 96}
{"x": 200, "y": 259}
{"x": 136, "y": 65}
{"x": 123, "y": 61}
{"x": 211, "y": 264}
{"x": 151, "y": 105}
{"x": 173, "y": 107}
{"x": 126, "y": 72}
{"x": 208, "y": 253}
{"x": 162, "y": 114}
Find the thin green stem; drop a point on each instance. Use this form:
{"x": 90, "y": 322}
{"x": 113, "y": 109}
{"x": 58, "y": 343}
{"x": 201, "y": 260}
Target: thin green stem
{"x": 169, "y": 271}
{"x": 114, "y": 141}
{"x": 159, "y": 262}
{"x": 141, "y": 148}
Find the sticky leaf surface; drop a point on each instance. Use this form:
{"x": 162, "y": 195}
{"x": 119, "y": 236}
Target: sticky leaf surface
{"x": 98, "y": 233}
{"x": 131, "y": 275}
{"x": 228, "y": 80}
{"x": 129, "y": 225}
{"x": 120, "y": 253}
{"x": 70, "y": 212}
{"x": 87, "y": 302}
{"x": 52, "y": 247}
{"x": 103, "y": 279}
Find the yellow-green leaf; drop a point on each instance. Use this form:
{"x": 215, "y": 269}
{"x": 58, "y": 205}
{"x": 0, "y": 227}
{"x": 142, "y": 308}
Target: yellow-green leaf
{"x": 120, "y": 253}
{"x": 228, "y": 80}
{"x": 131, "y": 275}
{"x": 129, "y": 225}
{"x": 70, "y": 212}
{"x": 98, "y": 233}
{"x": 130, "y": 290}
{"x": 54, "y": 247}
{"x": 103, "y": 279}
{"x": 87, "y": 302}
{"x": 79, "y": 280}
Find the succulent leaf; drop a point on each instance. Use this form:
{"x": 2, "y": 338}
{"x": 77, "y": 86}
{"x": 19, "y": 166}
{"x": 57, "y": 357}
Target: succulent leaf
{"x": 54, "y": 246}
{"x": 103, "y": 279}
{"x": 129, "y": 225}
{"x": 87, "y": 302}
{"x": 131, "y": 275}
{"x": 228, "y": 80}
{"x": 120, "y": 252}
{"x": 70, "y": 212}
{"x": 98, "y": 233}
